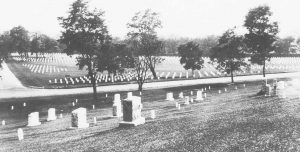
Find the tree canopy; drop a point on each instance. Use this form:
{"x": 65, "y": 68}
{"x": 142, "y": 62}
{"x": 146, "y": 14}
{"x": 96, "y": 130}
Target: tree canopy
{"x": 143, "y": 35}
{"x": 230, "y": 53}
{"x": 85, "y": 33}
{"x": 191, "y": 56}
{"x": 261, "y": 34}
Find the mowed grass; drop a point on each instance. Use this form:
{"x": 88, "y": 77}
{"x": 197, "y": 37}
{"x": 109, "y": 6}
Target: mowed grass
{"x": 236, "y": 120}
{"x": 170, "y": 64}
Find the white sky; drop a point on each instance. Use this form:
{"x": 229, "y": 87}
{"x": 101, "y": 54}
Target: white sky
{"x": 180, "y": 18}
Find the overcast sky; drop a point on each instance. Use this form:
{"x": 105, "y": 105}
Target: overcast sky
{"x": 180, "y": 18}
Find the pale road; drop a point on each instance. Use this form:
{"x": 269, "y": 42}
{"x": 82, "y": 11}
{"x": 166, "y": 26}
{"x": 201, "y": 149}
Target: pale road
{"x": 28, "y": 92}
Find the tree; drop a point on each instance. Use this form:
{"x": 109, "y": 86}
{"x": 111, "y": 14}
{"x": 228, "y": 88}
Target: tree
{"x": 85, "y": 33}
{"x": 140, "y": 65}
{"x": 229, "y": 54}
{"x": 191, "y": 56}
{"x": 115, "y": 59}
{"x": 261, "y": 35}
{"x": 20, "y": 40}
{"x": 143, "y": 28}
{"x": 283, "y": 46}
{"x": 5, "y": 46}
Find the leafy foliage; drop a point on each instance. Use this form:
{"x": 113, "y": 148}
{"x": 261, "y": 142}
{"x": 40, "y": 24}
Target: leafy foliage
{"x": 261, "y": 34}
{"x": 115, "y": 59}
{"x": 5, "y": 46}
{"x": 191, "y": 56}
{"x": 20, "y": 41}
{"x": 230, "y": 53}
{"x": 85, "y": 33}
{"x": 284, "y": 46}
{"x": 143, "y": 36}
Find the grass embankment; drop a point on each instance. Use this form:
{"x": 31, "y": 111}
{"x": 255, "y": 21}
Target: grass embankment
{"x": 236, "y": 120}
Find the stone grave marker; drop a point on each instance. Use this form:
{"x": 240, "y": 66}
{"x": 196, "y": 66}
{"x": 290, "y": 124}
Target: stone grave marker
{"x": 170, "y": 96}
{"x": 117, "y": 106}
{"x": 51, "y": 114}
{"x": 33, "y": 119}
{"x": 78, "y": 119}
{"x": 199, "y": 96}
{"x": 132, "y": 110}
{"x": 20, "y": 134}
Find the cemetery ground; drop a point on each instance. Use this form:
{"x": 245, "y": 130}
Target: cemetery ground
{"x": 60, "y": 71}
{"x": 235, "y": 120}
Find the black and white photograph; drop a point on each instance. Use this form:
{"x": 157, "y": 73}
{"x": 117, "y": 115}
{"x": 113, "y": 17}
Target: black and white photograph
{"x": 150, "y": 76}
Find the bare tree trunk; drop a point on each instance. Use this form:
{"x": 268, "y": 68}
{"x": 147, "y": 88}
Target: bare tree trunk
{"x": 264, "y": 68}
{"x": 140, "y": 86}
{"x": 91, "y": 74}
{"x": 231, "y": 73}
{"x": 153, "y": 71}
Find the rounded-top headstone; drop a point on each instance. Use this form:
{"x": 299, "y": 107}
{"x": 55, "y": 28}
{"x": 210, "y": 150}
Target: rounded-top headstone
{"x": 20, "y": 134}
{"x": 33, "y": 119}
{"x": 51, "y": 114}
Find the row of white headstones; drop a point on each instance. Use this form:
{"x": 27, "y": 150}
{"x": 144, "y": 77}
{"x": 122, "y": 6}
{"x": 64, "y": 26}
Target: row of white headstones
{"x": 132, "y": 107}
{"x": 55, "y": 59}
{"x": 79, "y": 118}
{"x": 35, "y": 68}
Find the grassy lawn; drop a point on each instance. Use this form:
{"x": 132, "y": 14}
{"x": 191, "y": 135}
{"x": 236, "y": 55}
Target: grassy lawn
{"x": 31, "y": 79}
{"x": 236, "y": 120}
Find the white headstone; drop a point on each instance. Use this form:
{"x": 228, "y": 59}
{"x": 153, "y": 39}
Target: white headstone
{"x": 181, "y": 95}
{"x": 153, "y": 116}
{"x": 191, "y": 93}
{"x": 33, "y": 119}
{"x": 225, "y": 89}
{"x": 95, "y": 120}
{"x": 24, "y": 104}
{"x": 199, "y": 96}
{"x": 51, "y": 114}
{"x": 192, "y": 100}
{"x": 93, "y": 106}
{"x": 170, "y": 96}
{"x": 117, "y": 106}
{"x": 3, "y": 122}
{"x": 12, "y": 108}
{"x": 204, "y": 95}
{"x": 186, "y": 100}
{"x": 20, "y": 134}
{"x": 79, "y": 118}
{"x": 219, "y": 91}
{"x": 132, "y": 112}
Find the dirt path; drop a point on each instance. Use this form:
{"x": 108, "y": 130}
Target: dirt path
{"x": 28, "y": 92}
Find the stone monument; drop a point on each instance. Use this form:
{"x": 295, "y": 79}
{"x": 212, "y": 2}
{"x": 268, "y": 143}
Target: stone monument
{"x": 78, "y": 119}
{"x": 51, "y": 114}
{"x": 33, "y": 119}
{"x": 132, "y": 110}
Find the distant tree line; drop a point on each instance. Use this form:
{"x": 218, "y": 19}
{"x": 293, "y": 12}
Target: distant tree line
{"x": 19, "y": 40}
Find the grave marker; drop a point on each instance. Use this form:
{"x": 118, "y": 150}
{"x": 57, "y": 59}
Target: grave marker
{"x": 79, "y": 118}
{"x": 33, "y": 119}
{"x": 132, "y": 109}
{"x": 51, "y": 114}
